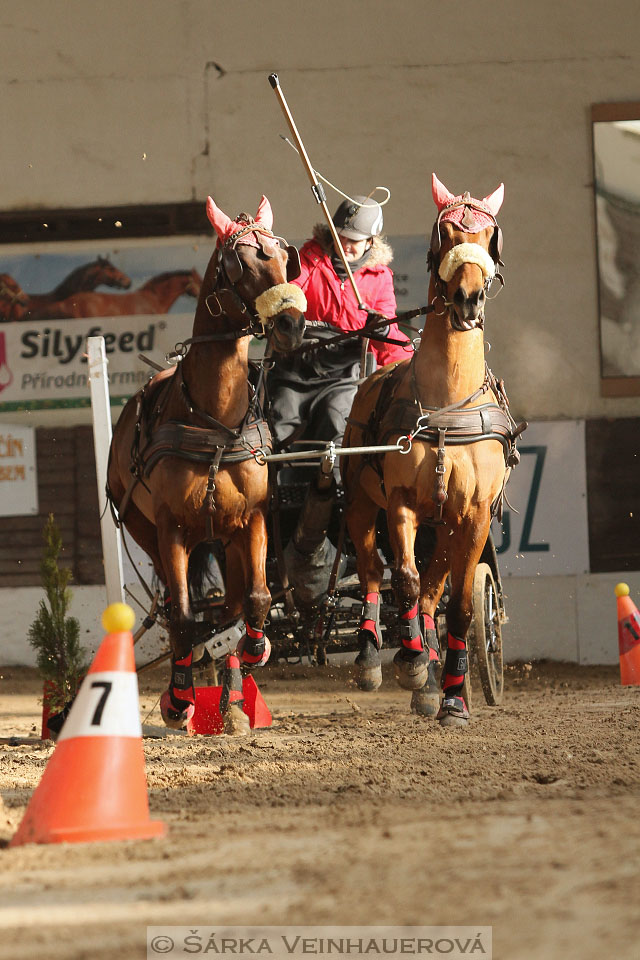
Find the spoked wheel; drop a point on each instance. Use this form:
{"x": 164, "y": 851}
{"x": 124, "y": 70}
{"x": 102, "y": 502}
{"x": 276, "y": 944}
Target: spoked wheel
{"x": 487, "y": 634}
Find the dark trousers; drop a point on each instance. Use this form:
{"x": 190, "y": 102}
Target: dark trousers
{"x": 322, "y": 404}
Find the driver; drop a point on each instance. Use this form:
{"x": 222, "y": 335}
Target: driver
{"x": 311, "y": 394}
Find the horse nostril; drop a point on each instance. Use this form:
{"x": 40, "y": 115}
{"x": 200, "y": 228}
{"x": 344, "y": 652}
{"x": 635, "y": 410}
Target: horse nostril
{"x": 290, "y": 326}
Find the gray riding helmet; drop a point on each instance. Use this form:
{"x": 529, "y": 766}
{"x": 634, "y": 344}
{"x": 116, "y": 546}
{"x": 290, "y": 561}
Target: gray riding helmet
{"x": 359, "y": 220}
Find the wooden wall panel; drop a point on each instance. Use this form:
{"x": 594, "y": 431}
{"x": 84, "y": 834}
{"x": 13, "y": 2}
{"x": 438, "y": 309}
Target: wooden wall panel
{"x": 66, "y": 488}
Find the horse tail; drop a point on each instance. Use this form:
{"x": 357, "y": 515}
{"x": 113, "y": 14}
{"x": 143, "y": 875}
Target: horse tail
{"x": 204, "y": 570}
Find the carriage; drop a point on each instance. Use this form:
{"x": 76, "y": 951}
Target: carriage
{"x": 192, "y": 464}
{"x": 316, "y": 618}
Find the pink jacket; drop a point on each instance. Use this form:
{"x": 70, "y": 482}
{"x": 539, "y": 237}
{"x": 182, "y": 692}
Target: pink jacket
{"x": 333, "y": 301}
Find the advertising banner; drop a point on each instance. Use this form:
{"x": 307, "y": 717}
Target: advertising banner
{"x": 544, "y": 529}
{"x": 18, "y": 478}
{"x": 140, "y": 296}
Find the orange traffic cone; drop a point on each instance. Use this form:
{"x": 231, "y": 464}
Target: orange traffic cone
{"x": 94, "y": 786}
{"x": 628, "y": 637}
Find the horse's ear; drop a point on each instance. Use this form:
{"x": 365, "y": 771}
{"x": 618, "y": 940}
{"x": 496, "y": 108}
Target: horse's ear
{"x": 494, "y": 201}
{"x": 265, "y": 214}
{"x": 441, "y": 196}
{"x": 218, "y": 220}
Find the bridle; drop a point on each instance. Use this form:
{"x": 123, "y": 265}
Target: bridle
{"x": 225, "y": 295}
{"x": 434, "y": 259}
{"x": 226, "y": 300}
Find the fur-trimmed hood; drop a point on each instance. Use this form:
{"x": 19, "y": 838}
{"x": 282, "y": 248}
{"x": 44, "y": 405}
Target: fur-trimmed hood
{"x": 381, "y": 251}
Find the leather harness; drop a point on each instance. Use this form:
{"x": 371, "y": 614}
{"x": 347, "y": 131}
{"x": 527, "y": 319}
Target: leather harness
{"x": 216, "y": 443}
{"x": 454, "y": 425}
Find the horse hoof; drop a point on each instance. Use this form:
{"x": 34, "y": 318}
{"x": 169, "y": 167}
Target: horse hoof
{"x": 411, "y": 669}
{"x": 369, "y": 678}
{"x": 236, "y": 722}
{"x": 423, "y": 703}
{"x": 175, "y": 719}
{"x": 449, "y": 720}
{"x": 248, "y": 659}
{"x": 453, "y": 712}
{"x": 368, "y": 668}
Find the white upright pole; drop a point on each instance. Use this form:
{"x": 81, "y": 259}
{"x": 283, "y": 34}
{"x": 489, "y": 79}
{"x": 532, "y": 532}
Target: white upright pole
{"x": 101, "y": 409}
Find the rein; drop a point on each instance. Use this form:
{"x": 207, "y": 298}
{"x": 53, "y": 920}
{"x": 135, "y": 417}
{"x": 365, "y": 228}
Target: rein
{"x": 367, "y": 332}
{"x": 180, "y": 350}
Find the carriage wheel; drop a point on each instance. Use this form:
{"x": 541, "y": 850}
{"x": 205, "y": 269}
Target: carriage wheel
{"x": 487, "y": 634}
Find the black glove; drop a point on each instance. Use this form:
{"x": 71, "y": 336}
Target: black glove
{"x": 377, "y": 331}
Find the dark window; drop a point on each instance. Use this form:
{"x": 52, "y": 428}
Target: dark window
{"x": 613, "y": 493}
{"x": 96, "y": 223}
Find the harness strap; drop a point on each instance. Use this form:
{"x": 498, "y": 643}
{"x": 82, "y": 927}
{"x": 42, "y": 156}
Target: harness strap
{"x": 459, "y": 404}
{"x": 180, "y": 349}
{"x": 209, "y": 497}
{"x": 231, "y": 434}
{"x": 440, "y": 495}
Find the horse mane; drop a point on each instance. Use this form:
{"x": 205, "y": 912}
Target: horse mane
{"x": 59, "y": 292}
{"x": 167, "y": 275}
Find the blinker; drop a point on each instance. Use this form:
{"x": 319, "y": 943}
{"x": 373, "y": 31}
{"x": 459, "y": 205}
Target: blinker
{"x": 293, "y": 263}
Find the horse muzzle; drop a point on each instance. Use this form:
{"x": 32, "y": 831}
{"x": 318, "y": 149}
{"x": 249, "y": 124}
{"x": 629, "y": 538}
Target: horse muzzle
{"x": 287, "y": 330}
{"x": 465, "y": 324}
{"x": 281, "y": 310}
{"x": 467, "y": 311}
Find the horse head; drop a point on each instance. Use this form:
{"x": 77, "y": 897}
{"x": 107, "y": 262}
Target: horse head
{"x": 194, "y": 285}
{"x": 13, "y": 300}
{"x": 106, "y": 273}
{"x": 248, "y": 278}
{"x": 466, "y": 244}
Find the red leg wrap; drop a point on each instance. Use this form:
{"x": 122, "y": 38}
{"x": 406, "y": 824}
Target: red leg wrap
{"x": 455, "y": 666}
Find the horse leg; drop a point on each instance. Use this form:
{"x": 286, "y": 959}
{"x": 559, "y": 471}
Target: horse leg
{"x": 246, "y": 560}
{"x": 426, "y": 701}
{"x": 466, "y": 548}
{"x": 255, "y": 648}
{"x": 412, "y": 659}
{"x": 361, "y": 522}
{"x": 177, "y": 703}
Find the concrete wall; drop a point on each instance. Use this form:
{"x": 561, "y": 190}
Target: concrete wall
{"x": 169, "y": 100}
{"x": 569, "y": 618}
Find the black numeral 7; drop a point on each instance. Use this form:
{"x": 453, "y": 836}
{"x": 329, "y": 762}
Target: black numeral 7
{"x": 106, "y": 685}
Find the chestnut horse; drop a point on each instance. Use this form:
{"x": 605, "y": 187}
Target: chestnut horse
{"x": 30, "y": 306}
{"x": 88, "y": 276}
{"x": 192, "y": 440}
{"x": 13, "y": 299}
{"x": 157, "y": 295}
{"x": 437, "y": 405}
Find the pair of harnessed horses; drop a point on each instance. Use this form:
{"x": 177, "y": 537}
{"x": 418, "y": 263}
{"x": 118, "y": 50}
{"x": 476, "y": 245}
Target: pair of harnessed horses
{"x": 187, "y": 461}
